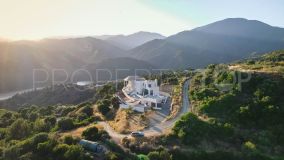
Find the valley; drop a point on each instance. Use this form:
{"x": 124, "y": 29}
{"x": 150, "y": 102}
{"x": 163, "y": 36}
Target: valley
{"x": 214, "y": 92}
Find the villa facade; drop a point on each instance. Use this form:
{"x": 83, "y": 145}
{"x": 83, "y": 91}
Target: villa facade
{"x": 142, "y": 93}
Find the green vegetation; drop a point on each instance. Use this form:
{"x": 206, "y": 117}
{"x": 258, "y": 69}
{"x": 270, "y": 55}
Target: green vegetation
{"x": 34, "y": 132}
{"x": 273, "y": 62}
{"x": 233, "y": 119}
{"x": 230, "y": 119}
{"x": 103, "y": 106}
{"x": 159, "y": 155}
{"x": 30, "y": 134}
{"x": 94, "y": 134}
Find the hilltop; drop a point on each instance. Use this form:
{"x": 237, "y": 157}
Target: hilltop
{"x": 220, "y": 42}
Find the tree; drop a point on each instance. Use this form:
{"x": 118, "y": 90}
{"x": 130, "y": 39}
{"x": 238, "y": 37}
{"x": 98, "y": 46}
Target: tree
{"x": 105, "y": 91}
{"x": 60, "y": 150}
{"x": 51, "y": 120}
{"x": 115, "y": 102}
{"x": 164, "y": 155}
{"x": 91, "y": 134}
{"x": 70, "y": 140}
{"x": 33, "y": 116}
{"x": 19, "y": 129}
{"x": 103, "y": 108}
{"x": 112, "y": 156}
{"x": 41, "y": 126}
{"x": 154, "y": 155}
{"x": 88, "y": 110}
{"x": 45, "y": 148}
{"x": 74, "y": 152}
{"x": 66, "y": 124}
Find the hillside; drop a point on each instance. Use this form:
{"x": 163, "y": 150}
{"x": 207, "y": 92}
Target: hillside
{"x": 232, "y": 119}
{"x": 118, "y": 68}
{"x": 68, "y": 94}
{"x": 268, "y": 63}
{"x": 219, "y": 42}
{"x": 20, "y": 58}
{"x": 238, "y": 120}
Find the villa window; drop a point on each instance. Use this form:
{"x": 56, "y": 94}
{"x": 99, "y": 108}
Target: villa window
{"x": 145, "y": 92}
{"x": 149, "y": 85}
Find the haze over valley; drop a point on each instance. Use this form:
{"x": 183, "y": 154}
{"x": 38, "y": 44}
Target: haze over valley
{"x": 219, "y": 42}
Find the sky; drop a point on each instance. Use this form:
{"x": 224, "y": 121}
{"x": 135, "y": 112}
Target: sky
{"x": 36, "y": 19}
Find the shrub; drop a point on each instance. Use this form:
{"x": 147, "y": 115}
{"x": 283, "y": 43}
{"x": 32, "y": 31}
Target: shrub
{"x": 249, "y": 146}
{"x": 115, "y": 102}
{"x": 154, "y": 155}
{"x": 45, "y": 148}
{"x": 70, "y": 140}
{"x": 41, "y": 126}
{"x": 112, "y": 156}
{"x": 60, "y": 150}
{"x": 91, "y": 134}
{"x": 66, "y": 124}
{"x": 51, "y": 120}
{"x": 19, "y": 129}
{"x": 74, "y": 152}
{"x": 103, "y": 108}
{"x": 88, "y": 110}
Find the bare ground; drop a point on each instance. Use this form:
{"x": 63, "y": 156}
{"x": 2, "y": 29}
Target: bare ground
{"x": 127, "y": 121}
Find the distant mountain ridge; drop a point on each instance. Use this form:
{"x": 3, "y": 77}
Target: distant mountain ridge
{"x": 19, "y": 59}
{"x": 58, "y": 53}
{"x": 131, "y": 41}
{"x": 241, "y": 27}
{"x": 219, "y": 42}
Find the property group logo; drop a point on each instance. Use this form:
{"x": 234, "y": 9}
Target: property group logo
{"x": 42, "y": 77}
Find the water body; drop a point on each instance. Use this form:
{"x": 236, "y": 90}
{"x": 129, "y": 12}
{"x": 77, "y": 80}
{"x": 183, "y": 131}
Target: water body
{"x": 84, "y": 83}
{"x": 7, "y": 95}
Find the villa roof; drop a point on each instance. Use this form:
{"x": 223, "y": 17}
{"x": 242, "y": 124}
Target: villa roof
{"x": 131, "y": 78}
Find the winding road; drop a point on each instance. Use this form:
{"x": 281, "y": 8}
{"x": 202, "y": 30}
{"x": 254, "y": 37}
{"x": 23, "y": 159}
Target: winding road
{"x": 158, "y": 128}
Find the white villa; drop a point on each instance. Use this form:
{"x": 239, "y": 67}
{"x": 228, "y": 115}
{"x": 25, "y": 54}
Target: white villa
{"x": 144, "y": 92}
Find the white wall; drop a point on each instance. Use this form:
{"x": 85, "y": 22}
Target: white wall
{"x": 138, "y": 86}
{"x": 154, "y": 87}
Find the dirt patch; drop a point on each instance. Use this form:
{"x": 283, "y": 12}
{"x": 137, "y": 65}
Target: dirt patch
{"x": 176, "y": 100}
{"x": 127, "y": 121}
{"x": 166, "y": 88}
{"x": 174, "y": 111}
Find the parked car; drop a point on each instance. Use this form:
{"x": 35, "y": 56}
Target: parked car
{"x": 137, "y": 134}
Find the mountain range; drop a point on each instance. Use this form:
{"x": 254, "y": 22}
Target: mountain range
{"x": 219, "y": 42}
{"x": 131, "y": 41}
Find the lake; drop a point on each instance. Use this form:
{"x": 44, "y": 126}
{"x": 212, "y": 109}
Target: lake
{"x": 8, "y": 95}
